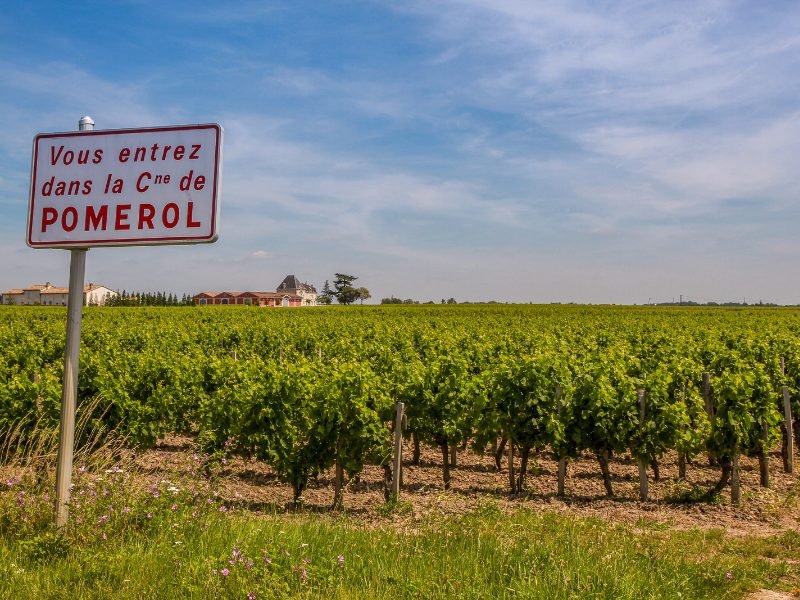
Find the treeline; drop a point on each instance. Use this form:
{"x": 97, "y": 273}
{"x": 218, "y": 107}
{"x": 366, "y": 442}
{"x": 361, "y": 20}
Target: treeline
{"x": 393, "y": 300}
{"x": 149, "y": 299}
{"x": 742, "y": 304}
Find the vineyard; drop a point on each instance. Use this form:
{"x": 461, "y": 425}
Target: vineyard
{"x": 309, "y": 390}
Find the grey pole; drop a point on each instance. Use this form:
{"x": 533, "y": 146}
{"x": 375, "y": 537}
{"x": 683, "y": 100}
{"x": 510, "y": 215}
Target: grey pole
{"x": 66, "y": 440}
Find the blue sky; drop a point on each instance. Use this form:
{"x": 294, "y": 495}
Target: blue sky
{"x": 476, "y": 149}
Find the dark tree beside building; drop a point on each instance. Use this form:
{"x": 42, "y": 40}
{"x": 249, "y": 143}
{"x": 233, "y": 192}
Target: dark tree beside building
{"x": 327, "y": 295}
{"x": 345, "y": 292}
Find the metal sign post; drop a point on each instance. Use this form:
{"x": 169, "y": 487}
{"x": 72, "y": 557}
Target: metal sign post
{"x": 69, "y": 392}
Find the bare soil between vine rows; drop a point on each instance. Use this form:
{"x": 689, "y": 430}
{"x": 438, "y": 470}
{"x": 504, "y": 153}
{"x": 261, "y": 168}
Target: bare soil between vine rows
{"x": 475, "y": 481}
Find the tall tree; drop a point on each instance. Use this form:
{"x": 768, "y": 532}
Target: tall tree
{"x": 327, "y": 295}
{"x": 345, "y": 292}
{"x": 363, "y": 294}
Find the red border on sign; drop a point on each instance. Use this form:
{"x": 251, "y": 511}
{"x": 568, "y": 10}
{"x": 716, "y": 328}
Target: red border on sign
{"x": 211, "y": 237}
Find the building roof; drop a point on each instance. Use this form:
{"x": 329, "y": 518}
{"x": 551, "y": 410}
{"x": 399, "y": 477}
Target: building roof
{"x": 246, "y": 294}
{"x": 291, "y": 282}
{"x": 274, "y": 294}
{"x": 55, "y": 290}
{"x": 12, "y": 291}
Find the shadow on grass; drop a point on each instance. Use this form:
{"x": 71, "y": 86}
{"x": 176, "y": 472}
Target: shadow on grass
{"x": 275, "y": 508}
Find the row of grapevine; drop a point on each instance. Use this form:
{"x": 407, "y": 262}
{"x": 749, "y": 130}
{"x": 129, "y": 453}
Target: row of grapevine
{"x": 307, "y": 390}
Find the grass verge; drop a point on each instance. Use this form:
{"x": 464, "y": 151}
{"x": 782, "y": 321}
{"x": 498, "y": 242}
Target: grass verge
{"x": 175, "y": 539}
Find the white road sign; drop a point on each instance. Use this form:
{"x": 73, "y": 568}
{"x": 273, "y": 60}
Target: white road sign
{"x": 127, "y": 187}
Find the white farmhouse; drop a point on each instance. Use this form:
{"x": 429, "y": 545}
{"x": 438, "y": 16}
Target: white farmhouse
{"x": 96, "y": 295}
{"x": 54, "y": 296}
{"x": 50, "y": 295}
{"x": 12, "y": 296}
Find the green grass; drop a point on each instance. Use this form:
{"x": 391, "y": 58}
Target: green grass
{"x": 484, "y": 554}
{"x": 130, "y": 537}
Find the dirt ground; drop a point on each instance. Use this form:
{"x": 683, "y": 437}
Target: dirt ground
{"x": 475, "y": 480}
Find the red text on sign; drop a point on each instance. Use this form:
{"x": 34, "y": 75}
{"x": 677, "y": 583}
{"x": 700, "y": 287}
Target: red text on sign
{"x": 96, "y": 218}
{"x": 156, "y": 152}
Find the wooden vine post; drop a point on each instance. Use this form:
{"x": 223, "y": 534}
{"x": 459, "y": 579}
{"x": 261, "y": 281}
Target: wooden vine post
{"x": 793, "y": 423}
{"x": 643, "y": 483}
{"x": 562, "y": 461}
{"x": 787, "y": 414}
{"x": 787, "y": 449}
{"x": 681, "y": 454}
{"x": 397, "y": 465}
{"x": 706, "y": 389}
{"x": 763, "y": 456}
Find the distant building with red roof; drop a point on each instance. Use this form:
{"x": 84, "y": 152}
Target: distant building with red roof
{"x": 290, "y": 292}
